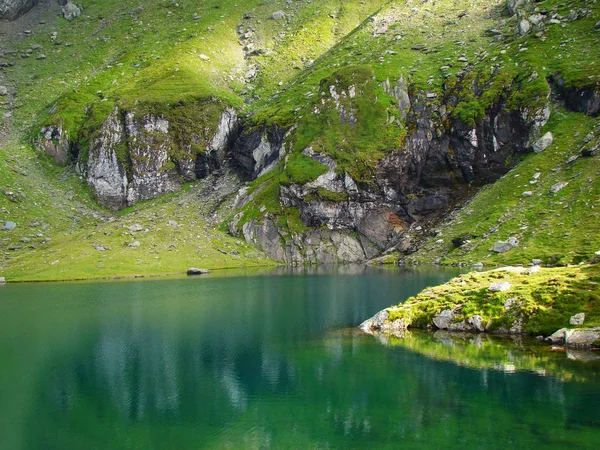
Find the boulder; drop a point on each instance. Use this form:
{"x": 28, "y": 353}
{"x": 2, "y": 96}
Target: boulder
{"x": 477, "y": 322}
{"x": 499, "y": 286}
{"x": 505, "y": 246}
{"x": 71, "y": 11}
{"x": 577, "y": 319}
{"x": 444, "y": 319}
{"x": 193, "y": 271}
{"x": 524, "y": 27}
{"x": 582, "y": 338}
{"x": 543, "y": 143}
{"x": 375, "y": 322}
{"x": 558, "y": 337}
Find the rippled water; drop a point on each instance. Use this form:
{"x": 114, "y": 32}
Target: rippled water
{"x": 272, "y": 360}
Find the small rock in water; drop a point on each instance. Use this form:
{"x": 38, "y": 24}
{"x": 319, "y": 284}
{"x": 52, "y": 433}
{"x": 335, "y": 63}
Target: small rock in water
{"x": 577, "y": 319}
{"x": 499, "y": 286}
{"x": 194, "y": 271}
{"x": 536, "y": 262}
{"x": 2, "y": 280}
{"x": 558, "y": 337}
{"x": 478, "y": 266}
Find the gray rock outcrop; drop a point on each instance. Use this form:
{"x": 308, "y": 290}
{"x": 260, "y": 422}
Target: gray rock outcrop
{"x": 12, "y": 9}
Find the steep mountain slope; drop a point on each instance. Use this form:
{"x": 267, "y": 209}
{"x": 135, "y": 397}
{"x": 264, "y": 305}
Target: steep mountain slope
{"x": 358, "y": 125}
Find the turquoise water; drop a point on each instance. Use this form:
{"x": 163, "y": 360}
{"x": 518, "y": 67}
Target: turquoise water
{"x": 272, "y": 361}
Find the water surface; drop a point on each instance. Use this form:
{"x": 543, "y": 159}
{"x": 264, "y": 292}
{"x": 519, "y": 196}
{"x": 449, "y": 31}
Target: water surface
{"x": 271, "y": 361}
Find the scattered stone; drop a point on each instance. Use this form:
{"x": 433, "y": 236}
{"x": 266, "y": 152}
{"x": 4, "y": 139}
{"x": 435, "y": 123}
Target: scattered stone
{"x": 590, "y": 151}
{"x": 558, "y": 187}
{"x": 172, "y": 223}
{"x": 135, "y": 244}
{"x": 204, "y": 57}
{"x": 25, "y": 240}
{"x": 536, "y": 19}
{"x": 581, "y": 338}
{"x": 597, "y": 26}
{"x": 15, "y": 197}
{"x": 194, "y": 271}
{"x": 524, "y": 27}
{"x": 100, "y": 248}
{"x": 539, "y": 338}
{"x": 40, "y": 57}
{"x": 10, "y": 226}
{"x": 572, "y": 159}
{"x": 135, "y": 227}
{"x": 577, "y": 319}
{"x": 3, "y": 91}
{"x": 558, "y": 337}
{"x": 543, "y": 143}
{"x": 527, "y": 194}
{"x": 499, "y": 286}
{"x": 278, "y": 15}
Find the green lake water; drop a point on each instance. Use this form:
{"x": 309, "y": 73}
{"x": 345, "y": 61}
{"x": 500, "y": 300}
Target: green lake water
{"x": 273, "y": 360}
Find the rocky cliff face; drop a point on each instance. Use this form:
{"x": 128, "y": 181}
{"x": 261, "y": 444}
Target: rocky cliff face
{"x": 139, "y": 157}
{"x": 11, "y": 9}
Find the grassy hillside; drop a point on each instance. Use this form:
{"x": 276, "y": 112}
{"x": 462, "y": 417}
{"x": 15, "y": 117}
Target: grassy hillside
{"x": 281, "y": 69}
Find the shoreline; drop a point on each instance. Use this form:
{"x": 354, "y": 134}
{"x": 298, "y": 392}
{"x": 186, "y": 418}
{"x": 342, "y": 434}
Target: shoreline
{"x": 557, "y": 305}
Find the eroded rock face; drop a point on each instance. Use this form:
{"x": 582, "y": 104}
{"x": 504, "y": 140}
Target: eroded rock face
{"x": 135, "y": 158}
{"x": 258, "y": 151}
{"x": 315, "y": 246}
{"x": 106, "y": 173}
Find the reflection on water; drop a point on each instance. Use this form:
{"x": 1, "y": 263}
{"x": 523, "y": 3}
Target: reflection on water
{"x": 269, "y": 362}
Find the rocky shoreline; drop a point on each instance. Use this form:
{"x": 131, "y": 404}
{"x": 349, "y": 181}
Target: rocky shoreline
{"x": 554, "y": 305}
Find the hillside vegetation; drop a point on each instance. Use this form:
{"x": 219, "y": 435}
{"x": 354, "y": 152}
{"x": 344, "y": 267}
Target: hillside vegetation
{"x": 333, "y": 77}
